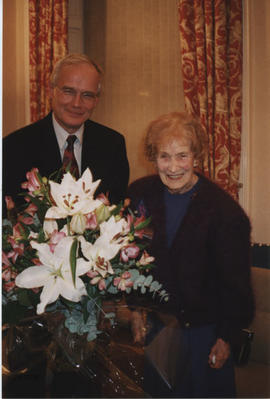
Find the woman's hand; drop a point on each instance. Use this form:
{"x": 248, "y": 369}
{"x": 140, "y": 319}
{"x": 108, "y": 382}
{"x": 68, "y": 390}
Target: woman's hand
{"x": 138, "y": 326}
{"x": 219, "y": 354}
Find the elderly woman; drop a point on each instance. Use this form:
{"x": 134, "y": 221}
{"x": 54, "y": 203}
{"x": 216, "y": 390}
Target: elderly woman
{"x": 201, "y": 245}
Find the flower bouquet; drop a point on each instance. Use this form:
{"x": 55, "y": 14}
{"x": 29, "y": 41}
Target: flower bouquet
{"x": 66, "y": 251}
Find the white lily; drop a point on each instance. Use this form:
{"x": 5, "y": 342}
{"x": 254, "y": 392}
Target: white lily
{"x": 73, "y": 197}
{"x": 112, "y": 228}
{"x": 105, "y": 247}
{"x": 54, "y": 274}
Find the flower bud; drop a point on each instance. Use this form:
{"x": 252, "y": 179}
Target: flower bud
{"x": 78, "y": 223}
{"x": 103, "y": 213}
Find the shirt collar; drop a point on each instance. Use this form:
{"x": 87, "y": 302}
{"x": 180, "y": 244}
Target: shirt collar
{"x": 62, "y": 135}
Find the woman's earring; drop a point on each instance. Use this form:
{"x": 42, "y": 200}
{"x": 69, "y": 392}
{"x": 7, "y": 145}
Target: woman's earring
{"x": 195, "y": 164}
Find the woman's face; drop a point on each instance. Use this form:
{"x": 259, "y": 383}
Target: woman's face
{"x": 175, "y": 164}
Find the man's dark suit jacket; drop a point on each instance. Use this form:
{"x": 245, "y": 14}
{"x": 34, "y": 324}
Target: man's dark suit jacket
{"x": 103, "y": 151}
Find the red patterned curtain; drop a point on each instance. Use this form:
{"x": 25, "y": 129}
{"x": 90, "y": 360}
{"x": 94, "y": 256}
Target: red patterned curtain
{"x": 48, "y": 42}
{"x": 211, "y": 45}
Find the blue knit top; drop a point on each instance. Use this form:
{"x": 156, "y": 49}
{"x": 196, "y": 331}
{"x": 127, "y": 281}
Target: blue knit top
{"x": 176, "y": 206}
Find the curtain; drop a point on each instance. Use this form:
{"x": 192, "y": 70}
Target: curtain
{"x": 48, "y": 42}
{"x": 211, "y": 47}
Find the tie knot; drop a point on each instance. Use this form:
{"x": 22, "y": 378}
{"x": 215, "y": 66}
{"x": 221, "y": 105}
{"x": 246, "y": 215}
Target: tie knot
{"x": 71, "y": 139}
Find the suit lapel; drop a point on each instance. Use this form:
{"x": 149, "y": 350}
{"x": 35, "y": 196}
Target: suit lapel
{"x": 90, "y": 149}
{"x": 49, "y": 145}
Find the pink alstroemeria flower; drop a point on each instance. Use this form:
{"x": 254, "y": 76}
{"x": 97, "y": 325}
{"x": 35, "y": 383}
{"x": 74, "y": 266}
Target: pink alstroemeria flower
{"x": 9, "y": 203}
{"x": 135, "y": 222}
{"x": 18, "y": 232}
{"x": 123, "y": 281}
{"x": 28, "y": 214}
{"x": 26, "y": 219}
{"x": 36, "y": 261}
{"x": 131, "y": 251}
{"x": 6, "y": 274}
{"x": 31, "y": 209}
{"x": 97, "y": 279}
{"x": 33, "y": 183}
{"x": 91, "y": 221}
{"x": 146, "y": 259}
{"x": 5, "y": 260}
{"x": 104, "y": 199}
{"x": 9, "y": 286}
{"x": 55, "y": 238}
{"x": 17, "y": 249}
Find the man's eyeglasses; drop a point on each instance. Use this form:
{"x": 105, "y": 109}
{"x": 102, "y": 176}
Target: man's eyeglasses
{"x": 88, "y": 97}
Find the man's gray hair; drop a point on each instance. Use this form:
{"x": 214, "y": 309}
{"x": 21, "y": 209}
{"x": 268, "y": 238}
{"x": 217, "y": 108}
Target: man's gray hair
{"x": 73, "y": 59}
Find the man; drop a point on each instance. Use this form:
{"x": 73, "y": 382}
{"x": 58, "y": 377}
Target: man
{"x": 74, "y": 91}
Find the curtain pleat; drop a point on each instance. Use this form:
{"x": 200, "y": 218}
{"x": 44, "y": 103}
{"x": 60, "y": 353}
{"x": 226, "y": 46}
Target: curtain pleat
{"x": 48, "y": 42}
{"x": 211, "y": 48}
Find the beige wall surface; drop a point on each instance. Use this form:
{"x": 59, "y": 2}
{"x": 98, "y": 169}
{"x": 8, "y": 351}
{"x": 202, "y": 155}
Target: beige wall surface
{"x": 137, "y": 44}
{"x": 259, "y": 14}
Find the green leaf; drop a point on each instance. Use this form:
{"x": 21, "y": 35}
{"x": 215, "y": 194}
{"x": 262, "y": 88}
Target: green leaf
{"x": 143, "y": 224}
{"x": 139, "y": 282}
{"x": 116, "y": 210}
{"x": 148, "y": 280}
{"x": 143, "y": 289}
{"x": 73, "y": 260}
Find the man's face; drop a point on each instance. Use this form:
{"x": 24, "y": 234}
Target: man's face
{"x": 74, "y": 96}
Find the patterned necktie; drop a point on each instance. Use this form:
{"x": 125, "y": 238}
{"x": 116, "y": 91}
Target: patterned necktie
{"x": 69, "y": 160}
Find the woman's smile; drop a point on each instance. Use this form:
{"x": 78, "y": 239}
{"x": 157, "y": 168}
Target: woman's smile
{"x": 175, "y": 165}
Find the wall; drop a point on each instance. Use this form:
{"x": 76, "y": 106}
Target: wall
{"x": 137, "y": 44}
{"x": 75, "y": 26}
{"x": 15, "y": 65}
{"x": 258, "y": 114}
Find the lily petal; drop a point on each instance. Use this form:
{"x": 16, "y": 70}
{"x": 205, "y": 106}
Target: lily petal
{"x": 33, "y": 277}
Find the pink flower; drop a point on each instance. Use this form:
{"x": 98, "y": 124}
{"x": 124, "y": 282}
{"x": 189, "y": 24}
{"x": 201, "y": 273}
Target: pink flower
{"x": 33, "y": 183}
{"x": 97, "y": 279}
{"x": 91, "y": 221}
{"x": 56, "y": 237}
{"x": 146, "y": 259}
{"x": 18, "y": 232}
{"x": 123, "y": 282}
{"x": 9, "y": 286}
{"x": 31, "y": 209}
{"x": 36, "y": 261}
{"x": 30, "y": 212}
{"x": 135, "y": 222}
{"x": 129, "y": 252}
{"x": 5, "y": 261}
{"x": 17, "y": 249}
{"x": 26, "y": 219}
{"x": 6, "y": 274}
{"x": 103, "y": 198}
{"x": 9, "y": 203}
